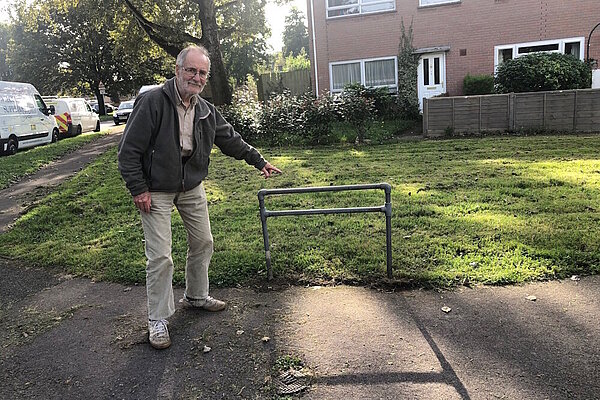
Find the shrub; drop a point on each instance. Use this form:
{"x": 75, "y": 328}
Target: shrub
{"x": 542, "y": 71}
{"x": 243, "y": 113}
{"x": 478, "y": 84}
{"x": 355, "y": 107}
{"x": 317, "y": 117}
{"x": 281, "y": 119}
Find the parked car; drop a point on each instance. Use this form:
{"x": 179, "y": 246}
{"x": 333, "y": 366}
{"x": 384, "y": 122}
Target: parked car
{"x": 107, "y": 107}
{"x": 122, "y": 113}
{"x": 25, "y": 120}
{"x": 74, "y": 116}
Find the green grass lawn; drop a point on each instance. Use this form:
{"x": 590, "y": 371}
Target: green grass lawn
{"x": 488, "y": 210}
{"x": 25, "y": 162}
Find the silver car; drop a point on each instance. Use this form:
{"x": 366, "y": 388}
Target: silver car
{"x": 122, "y": 113}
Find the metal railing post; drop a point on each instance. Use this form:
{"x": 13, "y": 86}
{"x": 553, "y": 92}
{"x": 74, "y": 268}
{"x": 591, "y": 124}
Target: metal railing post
{"x": 386, "y": 208}
{"x": 263, "y": 220}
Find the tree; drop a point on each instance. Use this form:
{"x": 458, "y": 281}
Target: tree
{"x": 216, "y": 24}
{"x": 71, "y": 46}
{"x": 542, "y": 71}
{"x": 5, "y": 35}
{"x": 295, "y": 33}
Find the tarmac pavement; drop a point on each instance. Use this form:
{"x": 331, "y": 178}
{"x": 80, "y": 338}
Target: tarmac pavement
{"x": 69, "y": 338}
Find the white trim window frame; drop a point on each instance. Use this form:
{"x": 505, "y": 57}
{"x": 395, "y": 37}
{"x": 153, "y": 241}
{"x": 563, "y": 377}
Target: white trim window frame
{"x": 363, "y": 66}
{"x": 346, "y": 8}
{"x": 431, "y": 3}
{"x": 509, "y": 51}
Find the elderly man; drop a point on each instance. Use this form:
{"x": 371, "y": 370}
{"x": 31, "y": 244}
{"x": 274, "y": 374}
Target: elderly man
{"x": 163, "y": 159}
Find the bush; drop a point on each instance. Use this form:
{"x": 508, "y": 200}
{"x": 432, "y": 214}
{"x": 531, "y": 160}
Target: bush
{"x": 542, "y": 71}
{"x": 478, "y": 84}
{"x": 317, "y": 117}
{"x": 243, "y": 114}
{"x": 281, "y": 120}
{"x": 354, "y": 106}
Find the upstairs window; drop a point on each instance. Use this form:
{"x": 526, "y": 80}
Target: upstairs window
{"x": 425, "y": 3}
{"x": 341, "y": 8}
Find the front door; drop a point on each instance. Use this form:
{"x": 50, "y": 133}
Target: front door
{"x": 432, "y": 76}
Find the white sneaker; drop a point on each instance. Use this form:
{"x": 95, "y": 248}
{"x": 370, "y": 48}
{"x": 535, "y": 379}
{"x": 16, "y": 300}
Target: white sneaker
{"x": 208, "y": 304}
{"x": 158, "y": 334}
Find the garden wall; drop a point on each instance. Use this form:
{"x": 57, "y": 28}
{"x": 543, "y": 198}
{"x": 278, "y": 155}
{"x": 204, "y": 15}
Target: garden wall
{"x": 563, "y": 110}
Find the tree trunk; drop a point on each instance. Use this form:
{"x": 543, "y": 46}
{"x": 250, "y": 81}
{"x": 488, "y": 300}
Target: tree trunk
{"x": 221, "y": 92}
{"x": 219, "y": 83}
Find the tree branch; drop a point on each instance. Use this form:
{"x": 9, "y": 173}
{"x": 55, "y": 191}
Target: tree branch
{"x": 169, "y": 39}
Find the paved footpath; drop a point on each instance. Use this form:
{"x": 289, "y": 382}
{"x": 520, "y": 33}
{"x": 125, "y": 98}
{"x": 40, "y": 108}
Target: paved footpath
{"x": 69, "y": 338}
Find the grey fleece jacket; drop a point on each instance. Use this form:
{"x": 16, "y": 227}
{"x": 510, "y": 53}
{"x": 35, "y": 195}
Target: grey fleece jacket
{"x": 149, "y": 151}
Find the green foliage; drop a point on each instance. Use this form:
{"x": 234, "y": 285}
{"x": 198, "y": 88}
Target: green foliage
{"x": 69, "y": 47}
{"x": 478, "y": 84}
{"x": 295, "y": 33}
{"x": 489, "y": 210}
{"x": 408, "y": 62}
{"x": 5, "y": 36}
{"x": 243, "y": 112}
{"x": 244, "y": 32}
{"x": 356, "y": 107}
{"x": 296, "y": 62}
{"x": 281, "y": 119}
{"x": 317, "y": 116}
{"x": 542, "y": 71}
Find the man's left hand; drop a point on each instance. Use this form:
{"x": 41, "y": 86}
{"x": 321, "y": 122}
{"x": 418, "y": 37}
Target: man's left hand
{"x": 269, "y": 170}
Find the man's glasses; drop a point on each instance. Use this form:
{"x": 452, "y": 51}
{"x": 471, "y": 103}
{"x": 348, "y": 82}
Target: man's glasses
{"x": 191, "y": 72}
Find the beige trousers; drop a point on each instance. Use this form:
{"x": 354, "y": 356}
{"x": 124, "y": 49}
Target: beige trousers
{"x": 159, "y": 266}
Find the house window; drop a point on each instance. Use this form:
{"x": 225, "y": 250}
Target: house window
{"x": 425, "y": 3}
{"x": 573, "y": 46}
{"x": 340, "y": 8}
{"x": 377, "y": 72}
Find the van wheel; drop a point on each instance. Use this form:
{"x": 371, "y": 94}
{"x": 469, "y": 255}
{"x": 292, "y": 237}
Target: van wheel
{"x": 54, "y": 135}
{"x": 97, "y": 127}
{"x": 78, "y": 130}
{"x": 12, "y": 146}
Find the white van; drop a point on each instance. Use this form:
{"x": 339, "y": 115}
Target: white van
{"x": 25, "y": 120}
{"x": 74, "y": 115}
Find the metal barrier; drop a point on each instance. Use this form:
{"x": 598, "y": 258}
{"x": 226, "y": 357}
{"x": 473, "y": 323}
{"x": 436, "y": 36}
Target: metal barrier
{"x": 386, "y": 209}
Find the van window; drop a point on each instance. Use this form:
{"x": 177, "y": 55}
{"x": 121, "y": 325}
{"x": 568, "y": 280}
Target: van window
{"x": 40, "y": 103}
{"x": 25, "y": 104}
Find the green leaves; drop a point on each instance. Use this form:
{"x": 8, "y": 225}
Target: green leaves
{"x": 541, "y": 72}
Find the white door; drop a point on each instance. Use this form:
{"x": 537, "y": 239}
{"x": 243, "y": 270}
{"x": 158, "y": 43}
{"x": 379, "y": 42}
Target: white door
{"x": 431, "y": 76}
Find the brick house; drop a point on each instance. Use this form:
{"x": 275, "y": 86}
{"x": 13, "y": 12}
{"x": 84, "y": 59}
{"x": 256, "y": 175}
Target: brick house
{"x": 357, "y": 40}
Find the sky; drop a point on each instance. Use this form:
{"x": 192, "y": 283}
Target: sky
{"x": 275, "y": 16}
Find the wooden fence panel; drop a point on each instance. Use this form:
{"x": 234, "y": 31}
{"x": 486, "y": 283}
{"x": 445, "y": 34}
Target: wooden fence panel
{"x": 529, "y": 111}
{"x": 568, "y": 110}
{"x": 297, "y": 82}
{"x": 559, "y": 111}
{"x": 465, "y": 109}
{"x": 495, "y": 112}
{"x": 440, "y": 117}
{"x": 587, "y": 115}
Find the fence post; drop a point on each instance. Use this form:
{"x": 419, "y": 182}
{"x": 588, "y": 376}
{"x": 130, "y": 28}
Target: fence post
{"x": 480, "y": 97}
{"x": 425, "y": 116}
{"x": 511, "y": 110}
{"x": 544, "y": 111}
{"x": 575, "y": 112}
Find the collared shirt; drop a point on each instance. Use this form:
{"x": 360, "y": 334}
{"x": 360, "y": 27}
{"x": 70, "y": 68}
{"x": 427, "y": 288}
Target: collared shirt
{"x": 186, "y": 123}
